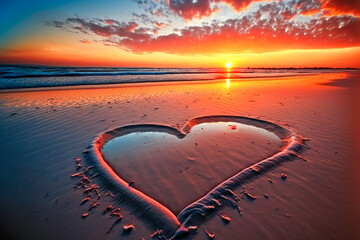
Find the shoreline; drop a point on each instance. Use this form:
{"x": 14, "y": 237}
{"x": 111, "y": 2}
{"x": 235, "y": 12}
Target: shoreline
{"x": 47, "y": 131}
{"x": 152, "y": 83}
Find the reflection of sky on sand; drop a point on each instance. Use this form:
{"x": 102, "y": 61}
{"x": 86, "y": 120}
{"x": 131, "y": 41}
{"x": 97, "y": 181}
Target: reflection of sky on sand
{"x": 151, "y": 142}
{"x": 321, "y": 113}
{"x": 228, "y": 80}
{"x": 117, "y": 93}
{"x": 209, "y": 154}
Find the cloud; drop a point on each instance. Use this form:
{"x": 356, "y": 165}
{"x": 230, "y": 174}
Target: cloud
{"x": 85, "y": 41}
{"x": 337, "y": 7}
{"x": 189, "y": 9}
{"x": 308, "y": 7}
{"x": 239, "y": 5}
{"x": 270, "y": 28}
{"x": 160, "y": 24}
{"x": 102, "y": 27}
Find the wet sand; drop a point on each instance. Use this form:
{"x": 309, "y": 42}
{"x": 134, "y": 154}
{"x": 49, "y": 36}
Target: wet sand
{"x": 201, "y": 160}
{"x": 45, "y": 133}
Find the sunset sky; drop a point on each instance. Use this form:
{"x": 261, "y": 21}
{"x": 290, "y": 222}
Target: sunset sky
{"x": 181, "y": 33}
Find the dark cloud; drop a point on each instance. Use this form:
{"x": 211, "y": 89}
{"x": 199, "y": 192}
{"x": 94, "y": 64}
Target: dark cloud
{"x": 156, "y": 8}
{"x": 308, "y": 7}
{"x": 103, "y": 28}
{"x": 189, "y": 9}
{"x": 142, "y": 17}
{"x": 267, "y": 29}
{"x": 85, "y": 41}
{"x": 239, "y": 5}
{"x": 336, "y": 7}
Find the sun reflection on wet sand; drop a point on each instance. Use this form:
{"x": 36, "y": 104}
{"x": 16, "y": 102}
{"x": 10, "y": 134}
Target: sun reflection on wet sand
{"x": 50, "y": 126}
{"x": 102, "y": 94}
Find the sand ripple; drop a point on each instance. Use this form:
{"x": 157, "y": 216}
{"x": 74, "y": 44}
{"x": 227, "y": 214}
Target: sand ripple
{"x": 157, "y": 214}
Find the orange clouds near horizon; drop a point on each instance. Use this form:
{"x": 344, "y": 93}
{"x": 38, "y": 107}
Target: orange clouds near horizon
{"x": 102, "y": 56}
{"x": 202, "y": 33}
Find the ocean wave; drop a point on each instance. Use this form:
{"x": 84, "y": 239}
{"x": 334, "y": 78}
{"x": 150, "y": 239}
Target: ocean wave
{"x": 14, "y": 77}
{"x": 44, "y": 71}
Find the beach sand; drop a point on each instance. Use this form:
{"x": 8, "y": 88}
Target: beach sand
{"x": 314, "y": 196}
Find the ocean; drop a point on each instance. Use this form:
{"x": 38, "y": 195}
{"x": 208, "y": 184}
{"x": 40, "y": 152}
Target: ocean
{"x": 20, "y": 76}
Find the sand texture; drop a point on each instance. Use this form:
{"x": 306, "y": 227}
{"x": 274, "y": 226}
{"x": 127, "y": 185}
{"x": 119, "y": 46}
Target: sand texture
{"x": 271, "y": 158}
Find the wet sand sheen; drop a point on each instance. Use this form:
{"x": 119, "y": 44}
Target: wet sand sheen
{"x": 158, "y": 215}
{"x": 162, "y": 165}
{"x": 45, "y": 130}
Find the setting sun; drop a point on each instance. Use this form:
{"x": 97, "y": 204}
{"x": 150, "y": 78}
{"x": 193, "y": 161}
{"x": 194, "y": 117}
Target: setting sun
{"x": 142, "y": 97}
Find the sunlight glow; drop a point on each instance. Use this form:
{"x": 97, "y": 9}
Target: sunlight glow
{"x": 228, "y": 65}
{"x": 227, "y": 83}
{"x": 228, "y": 77}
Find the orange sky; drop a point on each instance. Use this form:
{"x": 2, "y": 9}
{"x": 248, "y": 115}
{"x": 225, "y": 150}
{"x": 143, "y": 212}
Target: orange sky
{"x": 104, "y": 56}
{"x": 253, "y": 34}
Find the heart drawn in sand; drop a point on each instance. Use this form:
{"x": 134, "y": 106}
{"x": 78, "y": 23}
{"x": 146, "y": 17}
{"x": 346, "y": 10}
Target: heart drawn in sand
{"x": 240, "y": 168}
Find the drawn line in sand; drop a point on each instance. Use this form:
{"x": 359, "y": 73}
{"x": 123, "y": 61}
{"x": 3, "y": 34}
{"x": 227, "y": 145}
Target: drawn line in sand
{"x": 158, "y": 215}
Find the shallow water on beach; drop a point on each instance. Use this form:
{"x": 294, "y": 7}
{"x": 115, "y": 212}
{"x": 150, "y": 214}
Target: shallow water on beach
{"x": 45, "y": 130}
{"x": 160, "y": 163}
{"x": 17, "y": 76}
